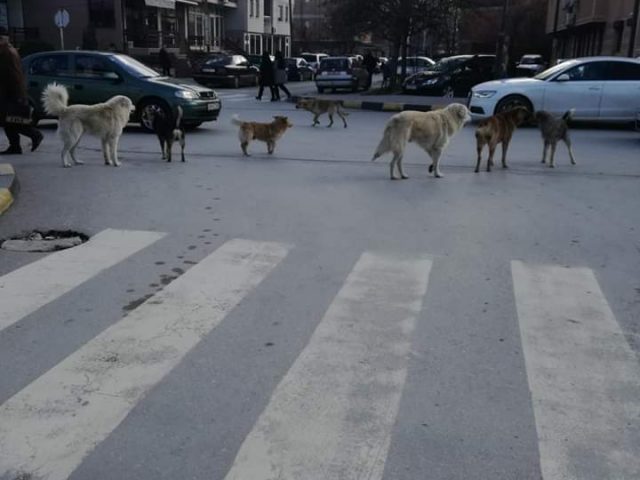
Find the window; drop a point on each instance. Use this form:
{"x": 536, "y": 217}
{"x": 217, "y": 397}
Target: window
{"x": 280, "y": 13}
{"x": 258, "y": 8}
{"x": 588, "y": 72}
{"x": 102, "y": 13}
{"x": 251, "y": 11}
{"x": 286, "y": 14}
{"x": 51, "y": 66}
{"x": 624, "y": 71}
{"x": 88, "y": 66}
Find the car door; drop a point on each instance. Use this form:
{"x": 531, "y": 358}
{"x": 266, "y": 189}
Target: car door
{"x": 621, "y": 94}
{"x": 95, "y": 79}
{"x": 45, "y": 69}
{"x": 580, "y": 88}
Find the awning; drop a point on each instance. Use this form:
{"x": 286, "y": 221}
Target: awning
{"x": 161, "y": 3}
{"x": 188, "y": 2}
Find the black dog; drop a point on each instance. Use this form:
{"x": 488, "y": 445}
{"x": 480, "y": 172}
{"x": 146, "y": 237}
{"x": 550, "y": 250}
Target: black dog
{"x": 168, "y": 132}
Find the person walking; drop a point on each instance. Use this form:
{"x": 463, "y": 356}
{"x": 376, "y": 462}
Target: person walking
{"x": 165, "y": 62}
{"x": 281, "y": 75}
{"x": 267, "y": 77}
{"x": 370, "y": 63}
{"x": 14, "y": 99}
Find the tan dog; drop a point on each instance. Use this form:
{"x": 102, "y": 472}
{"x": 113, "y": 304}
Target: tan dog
{"x": 499, "y": 129}
{"x": 318, "y": 107}
{"x": 269, "y": 133}
{"x": 432, "y": 131}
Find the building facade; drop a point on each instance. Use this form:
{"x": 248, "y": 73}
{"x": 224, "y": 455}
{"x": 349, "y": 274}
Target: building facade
{"x": 593, "y": 27}
{"x": 142, "y": 27}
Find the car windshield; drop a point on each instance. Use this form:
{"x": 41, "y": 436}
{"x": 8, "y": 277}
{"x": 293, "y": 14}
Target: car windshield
{"x": 447, "y": 64}
{"x": 134, "y": 67}
{"x": 530, "y": 61}
{"x": 334, "y": 64}
{"x": 550, "y": 72}
{"x": 310, "y": 58}
{"x": 219, "y": 60}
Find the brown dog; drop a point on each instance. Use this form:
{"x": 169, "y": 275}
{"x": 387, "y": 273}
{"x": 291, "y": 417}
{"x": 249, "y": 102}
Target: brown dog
{"x": 499, "y": 129}
{"x": 318, "y": 107}
{"x": 269, "y": 133}
{"x": 553, "y": 130}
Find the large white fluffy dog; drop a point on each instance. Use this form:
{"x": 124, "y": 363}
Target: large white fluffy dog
{"x": 104, "y": 120}
{"x": 430, "y": 130}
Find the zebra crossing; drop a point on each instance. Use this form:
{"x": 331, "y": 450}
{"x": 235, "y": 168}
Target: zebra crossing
{"x": 345, "y": 385}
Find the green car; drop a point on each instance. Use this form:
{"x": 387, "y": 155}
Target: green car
{"x": 94, "y": 77}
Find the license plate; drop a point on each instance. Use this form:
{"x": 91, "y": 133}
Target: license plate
{"x": 411, "y": 87}
{"x": 212, "y": 106}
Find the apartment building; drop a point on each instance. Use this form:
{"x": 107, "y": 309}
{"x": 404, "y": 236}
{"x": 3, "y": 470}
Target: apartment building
{"x": 142, "y": 27}
{"x": 593, "y": 27}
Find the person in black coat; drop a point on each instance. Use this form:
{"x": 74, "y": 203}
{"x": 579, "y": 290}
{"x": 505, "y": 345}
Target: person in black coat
{"x": 281, "y": 75}
{"x": 165, "y": 62}
{"x": 13, "y": 91}
{"x": 267, "y": 74}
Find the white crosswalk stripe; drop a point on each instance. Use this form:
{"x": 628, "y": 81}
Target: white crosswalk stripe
{"x": 346, "y": 385}
{"x": 27, "y": 289}
{"x": 583, "y": 376}
{"x": 52, "y": 424}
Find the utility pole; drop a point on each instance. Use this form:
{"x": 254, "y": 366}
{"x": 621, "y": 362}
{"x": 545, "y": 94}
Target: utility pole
{"x": 555, "y": 32}
{"x": 290, "y": 28}
{"x": 634, "y": 29}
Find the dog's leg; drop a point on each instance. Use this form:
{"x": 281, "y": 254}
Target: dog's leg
{"x": 105, "y": 152}
{"x": 169, "y": 150}
{"x": 567, "y": 142}
{"x": 244, "y": 146}
{"x": 505, "y": 147}
{"x": 65, "y": 150}
{"x": 72, "y": 152}
{"x": 392, "y": 165}
{"x": 114, "y": 151}
{"x": 330, "y": 120}
{"x": 402, "y": 175}
{"x": 271, "y": 147}
{"x": 492, "y": 151}
{"x": 435, "y": 158}
{"x": 344, "y": 119}
{"x": 544, "y": 152}
{"x": 552, "y": 158}
{"x": 182, "y": 144}
{"x": 479, "y": 147}
{"x": 315, "y": 119}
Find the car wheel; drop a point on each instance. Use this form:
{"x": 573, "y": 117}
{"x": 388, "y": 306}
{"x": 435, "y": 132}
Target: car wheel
{"x": 147, "y": 110}
{"x": 512, "y": 101}
{"x": 447, "y": 92}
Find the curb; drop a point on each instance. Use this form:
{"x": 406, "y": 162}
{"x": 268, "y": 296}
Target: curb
{"x": 8, "y": 186}
{"x": 378, "y": 106}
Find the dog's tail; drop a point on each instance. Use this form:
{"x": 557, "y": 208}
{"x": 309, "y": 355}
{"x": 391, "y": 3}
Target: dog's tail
{"x": 569, "y": 115}
{"x": 395, "y": 137}
{"x": 179, "y": 117}
{"x": 55, "y": 99}
{"x": 236, "y": 120}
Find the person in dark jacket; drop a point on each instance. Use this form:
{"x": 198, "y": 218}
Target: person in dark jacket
{"x": 165, "y": 62}
{"x": 281, "y": 75}
{"x": 267, "y": 77}
{"x": 13, "y": 90}
{"x": 370, "y": 63}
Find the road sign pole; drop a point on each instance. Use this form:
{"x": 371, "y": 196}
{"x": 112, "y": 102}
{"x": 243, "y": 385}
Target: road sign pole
{"x": 61, "y": 38}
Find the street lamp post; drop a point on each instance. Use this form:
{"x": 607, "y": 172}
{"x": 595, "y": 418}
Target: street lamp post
{"x": 502, "y": 40}
{"x": 634, "y": 29}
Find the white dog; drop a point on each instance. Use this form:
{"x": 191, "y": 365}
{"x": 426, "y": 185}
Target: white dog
{"x": 430, "y": 130}
{"x": 104, "y": 120}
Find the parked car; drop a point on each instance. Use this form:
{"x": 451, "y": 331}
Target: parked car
{"x": 93, "y": 77}
{"x": 530, "y": 65}
{"x": 451, "y": 76}
{"x": 229, "y": 70}
{"x": 415, "y": 64}
{"x": 598, "y": 88}
{"x": 298, "y": 70}
{"x": 341, "y": 72}
{"x": 313, "y": 59}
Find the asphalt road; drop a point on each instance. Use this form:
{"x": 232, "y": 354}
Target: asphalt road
{"x": 301, "y": 316}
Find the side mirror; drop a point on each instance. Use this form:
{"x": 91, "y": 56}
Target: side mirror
{"x": 563, "y": 78}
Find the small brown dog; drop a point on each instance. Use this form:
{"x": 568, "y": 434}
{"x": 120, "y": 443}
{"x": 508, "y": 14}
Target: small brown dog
{"x": 553, "y": 130}
{"x": 269, "y": 133}
{"x": 318, "y": 107}
{"x": 499, "y": 129}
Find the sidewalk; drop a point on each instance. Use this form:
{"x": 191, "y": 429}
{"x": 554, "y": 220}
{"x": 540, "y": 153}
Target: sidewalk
{"x": 8, "y": 186}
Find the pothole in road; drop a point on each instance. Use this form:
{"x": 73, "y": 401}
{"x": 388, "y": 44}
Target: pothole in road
{"x": 44, "y": 241}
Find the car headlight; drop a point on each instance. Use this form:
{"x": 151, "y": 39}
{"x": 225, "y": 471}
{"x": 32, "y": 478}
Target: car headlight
{"x": 484, "y": 94}
{"x": 186, "y": 94}
{"x": 430, "y": 81}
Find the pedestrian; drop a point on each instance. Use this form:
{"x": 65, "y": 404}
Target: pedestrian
{"x": 281, "y": 75}
{"x": 165, "y": 62}
{"x": 370, "y": 63}
{"x": 14, "y": 100}
{"x": 386, "y": 74}
{"x": 267, "y": 77}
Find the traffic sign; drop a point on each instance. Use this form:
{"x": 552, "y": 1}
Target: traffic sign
{"x": 61, "y": 18}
